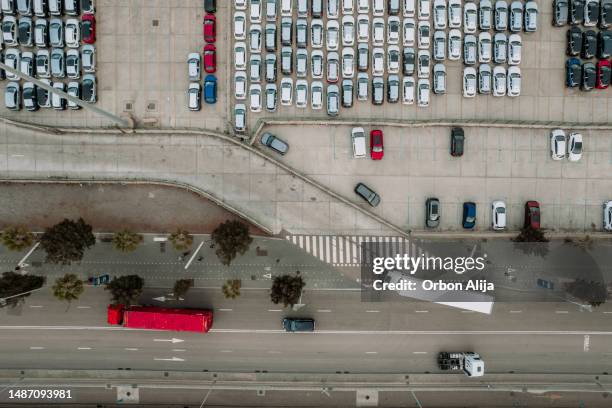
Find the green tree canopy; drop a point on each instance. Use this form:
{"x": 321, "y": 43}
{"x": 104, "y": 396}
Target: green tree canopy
{"x": 594, "y": 293}
{"x": 181, "y": 240}
{"x": 16, "y": 238}
{"x": 66, "y": 241}
{"x": 231, "y": 288}
{"x": 68, "y": 288}
{"x": 125, "y": 289}
{"x": 12, "y": 284}
{"x": 127, "y": 241}
{"x": 231, "y": 238}
{"x": 182, "y": 286}
{"x": 286, "y": 289}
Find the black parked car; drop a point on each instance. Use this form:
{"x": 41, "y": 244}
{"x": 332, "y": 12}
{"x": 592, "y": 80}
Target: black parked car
{"x": 432, "y": 212}
{"x": 560, "y": 12}
{"x": 408, "y": 61}
{"x": 367, "y": 194}
{"x": 574, "y": 41}
{"x": 577, "y": 12}
{"x": 589, "y": 44}
{"x": 457, "y": 141}
{"x": 210, "y": 6}
{"x": 589, "y": 76}
{"x": 605, "y": 14}
{"x": 604, "y": 44}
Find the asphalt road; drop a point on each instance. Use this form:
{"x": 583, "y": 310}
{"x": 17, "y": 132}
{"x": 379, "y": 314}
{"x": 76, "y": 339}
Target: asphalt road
{"x": 390, "y": 337}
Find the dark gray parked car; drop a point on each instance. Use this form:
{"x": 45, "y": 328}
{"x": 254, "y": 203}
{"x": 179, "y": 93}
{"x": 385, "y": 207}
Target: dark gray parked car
{"x": 432, "y": 212}
{"x": 274, "y": 143}
{"x": 367, "y": 194}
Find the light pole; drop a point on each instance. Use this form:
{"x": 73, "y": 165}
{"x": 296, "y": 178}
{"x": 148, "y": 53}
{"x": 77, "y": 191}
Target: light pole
{"x": 3, "y": 300}
{"x": 85, "y": 105}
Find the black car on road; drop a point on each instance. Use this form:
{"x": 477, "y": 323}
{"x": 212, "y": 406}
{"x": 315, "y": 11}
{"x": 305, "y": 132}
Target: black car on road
{"x": 298, "y": 325}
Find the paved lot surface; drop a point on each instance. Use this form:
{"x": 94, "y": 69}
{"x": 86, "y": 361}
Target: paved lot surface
{"x": 512, "y": 165}
{"x": 111, "y": 207}
{"x": 544, "y": 96}
{"x": 142, "y": 48}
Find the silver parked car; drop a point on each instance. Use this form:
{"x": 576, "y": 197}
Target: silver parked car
{"x": 58, "y": 67}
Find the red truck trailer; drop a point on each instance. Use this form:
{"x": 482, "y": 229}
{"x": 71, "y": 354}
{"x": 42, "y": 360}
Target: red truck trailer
{"x": 160, "y": 318}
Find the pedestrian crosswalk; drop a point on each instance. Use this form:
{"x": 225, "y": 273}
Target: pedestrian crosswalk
{"x": 346, "y": 250}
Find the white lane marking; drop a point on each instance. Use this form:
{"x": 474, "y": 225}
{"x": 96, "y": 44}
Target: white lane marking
{"x": 371, "y": 352}
{"x": 324, "y": 310}
{"x": 131, "y": 349}
{"x": 273, "y": 352}
{"x": 226, "y": 351}
{"x": 83, "y": 307}
{"x": 274, "y": 310}
{"x": 36, "y": 348}
{"x": 587, "y": 342}
{"x": 83, "y": 348}
{"x": 17, "y": 155}
{"x": 178, "y": 350}
{"x": 421, "y": 311}
{"x": 372, "y": 311}
{"x": 419, "y": 352}
{"x": 35, "y": 306}
{"x": 561, "y": 311}
{"x": 225, "y": 310}
{"x": 607, "y": 312}
{"x": 169, "y": 359}
{"x": 467, "y": 311}
{"x": 516, "y": 311}
{"x": 172, "y": 340}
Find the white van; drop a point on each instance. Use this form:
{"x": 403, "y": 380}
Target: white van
{"x": 359, "y": 143}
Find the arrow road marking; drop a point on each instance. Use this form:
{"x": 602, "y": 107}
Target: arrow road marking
{"x": 169, "y": 359}
{"x": 172, "y": 340}
{"x": 160, "y": 299}
{"x": 587, "y": 342}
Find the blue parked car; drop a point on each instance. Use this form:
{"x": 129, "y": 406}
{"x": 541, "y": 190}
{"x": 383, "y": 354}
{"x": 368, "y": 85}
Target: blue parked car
{"x": 545, "y": 284}
{"x": 210, "y": 89}
{"x": 469, "y": 215}
{"x": 572, "y": 72}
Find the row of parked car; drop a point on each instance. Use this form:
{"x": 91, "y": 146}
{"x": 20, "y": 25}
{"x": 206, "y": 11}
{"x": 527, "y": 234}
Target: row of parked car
{"x": 32, "y": 97}
{"x": 587, "y": 12}
{"x": 42, "y": 8}
{"x": 588, "y": 44}
{"x": 45, "y": 64}
{"x": 43, "y": 33}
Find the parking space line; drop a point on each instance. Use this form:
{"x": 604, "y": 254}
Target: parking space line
{"x": 225, "y": 310}
{"x": 561, "y": 311}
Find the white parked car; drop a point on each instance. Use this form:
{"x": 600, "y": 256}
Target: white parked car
{"x": 348, "y": 6}
{"x": 515, "y": 46}
{"x": 240, "y": 117}
{"x": 485, "y": 47}
{"x": 255, "y": 68}
{"x": 255, "y": 97}
{"x": 557, "y": 144}
{"x": 423, "y": 92}
{"x": 485, "y": 12}
{"x": 469, "y": 82}
{"x": 454, "y": 44}
{"x": 363, "y": 6}
{"x": 499, "y": 81}
{"x": 332, "y": 36}
{"x": 316, "y": 95}
{"x": 255, "y": 11}
{"x": 470, "y": 17}
{"x": 88, "y": 58}
{"x": 514, "y": 81}
{"x": 470, "y": 46}
{"x": 333, "y": 7}
{"x": 378, "y": 32}
{"x": 316, "y": 33}
{"x": 531, "y": 16}
{"x": 501, "y": 15}
{"x": 286, "y": 91}
{"x": 393, "y": 59}
{"x": 424, "y": 34}
{"x": 393, "y": 30}
{"x": 485, "y": 75}
{"x": 317, "y": 64}
{"x": 240, "y": 55}
{"x": 301, "y": 93}
{"x": 439, "y": 14}
{"x": 409, "y": 8}
{"x": 270, "y": 97}
{"x": 333, "y": 67}
{"x": 516, "y": 16}
{"x": 363, "y": 28}
{"x": 271, "y": 13}
{"x": 363, "y": 84}
{"x": 240, "y": 85}
{"x": 454, "y": 13}
{"x": 574, "y": 147}
{"x": 348, "y": 30}
{"x": 607, "y": 215}
{"x": 240, "y": 4}
{"x": 301, "y": 63}
{"x": 194, "y": 95}
{"x": 194, "y": 62}
{"x": 348, "y": 62}
{"x": 498, "y": 215}
{"x": 72, "y": 31}
{"x": 424, "y": 9}
{"x": 302, "y": 8}
{"x": 378, "y": 7}
{"x": 378, "y": 62}
{"x": 500, "y": 48}
{"x": 439, "y": 45}
{"x": 439, "y": 79}
{"x": 423, "y": 63}
{"x": 240, "y": 25}
{"x": 409, "y": 32}
{"x": 408, "y": 86}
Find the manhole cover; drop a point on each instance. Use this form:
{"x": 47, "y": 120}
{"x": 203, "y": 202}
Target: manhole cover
{"x": 367, "y": 398}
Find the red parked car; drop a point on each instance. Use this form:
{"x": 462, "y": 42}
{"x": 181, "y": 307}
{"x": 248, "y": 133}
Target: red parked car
{"x": 88, "y": 28}
{"x": 376, "y": 144}
{"x": 210, "y": 28}
{"x": 603, "y": 74}
{"x": 532, "y": 214}
{"x": 210, "y": 58}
